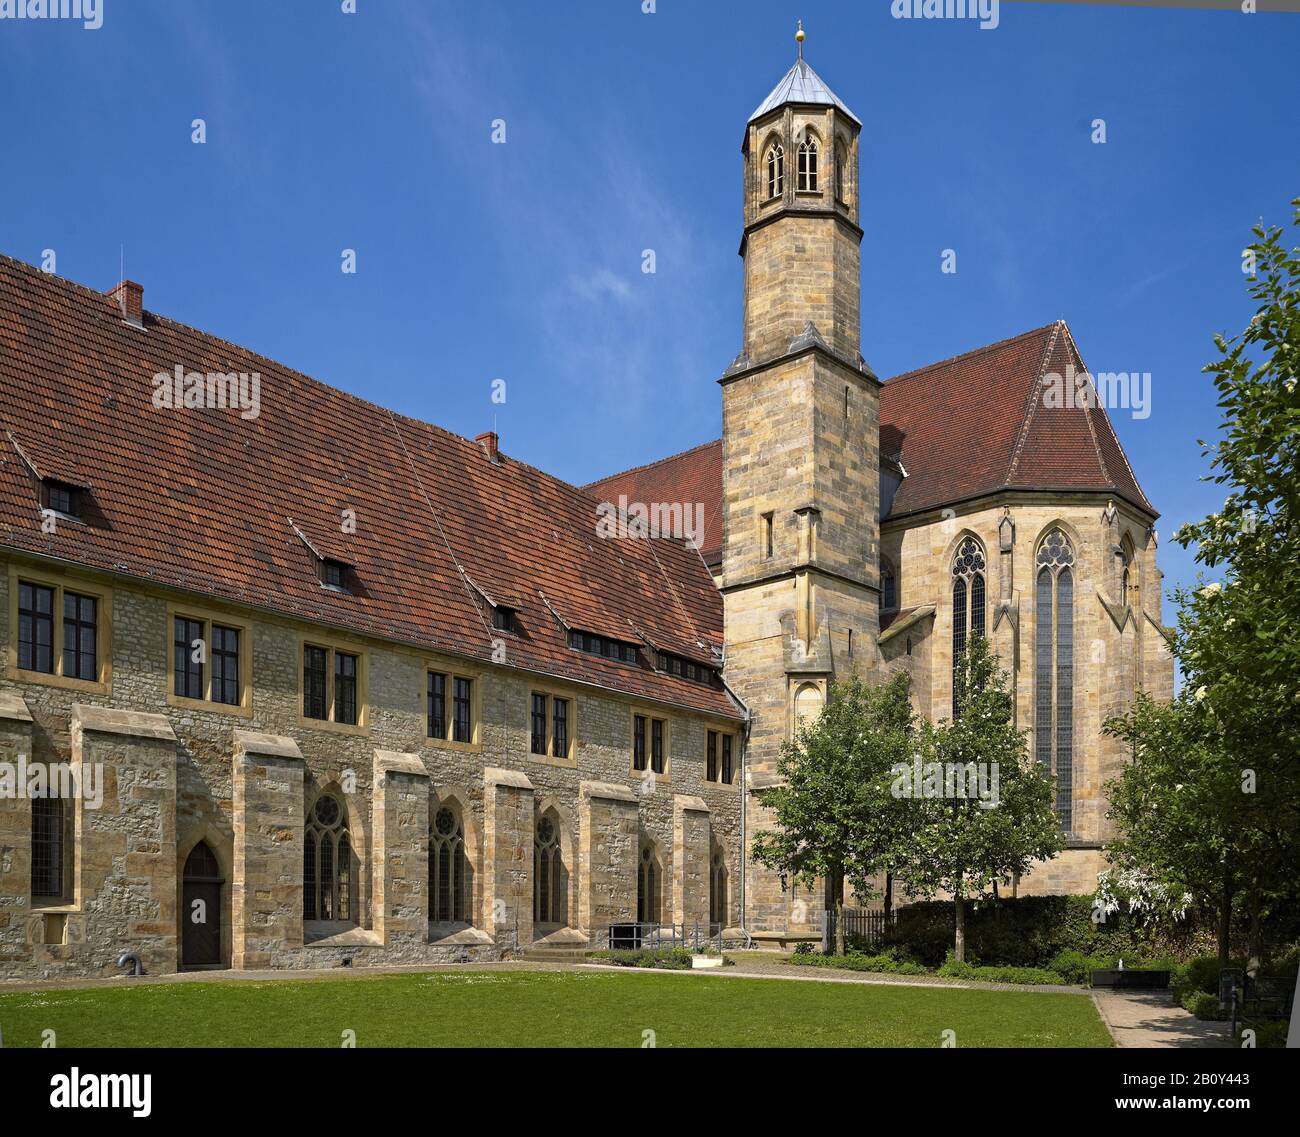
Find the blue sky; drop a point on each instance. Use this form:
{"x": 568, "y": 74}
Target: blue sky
{"x": 522, "y": 261}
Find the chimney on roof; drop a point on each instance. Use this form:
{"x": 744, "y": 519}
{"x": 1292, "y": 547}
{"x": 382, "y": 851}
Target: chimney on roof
{"x": 129, "y": 297}
{"x": 490, "y": 443}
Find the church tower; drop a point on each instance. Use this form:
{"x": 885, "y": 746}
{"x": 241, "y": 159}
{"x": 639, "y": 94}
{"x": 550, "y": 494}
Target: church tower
{"x": 801, "y": 442}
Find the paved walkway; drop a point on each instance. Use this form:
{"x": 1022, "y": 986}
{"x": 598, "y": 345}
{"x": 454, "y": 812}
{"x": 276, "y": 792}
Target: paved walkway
{"x": 1153, "y": 1019}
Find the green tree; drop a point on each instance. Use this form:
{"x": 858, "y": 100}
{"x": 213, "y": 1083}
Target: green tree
{"x": 835, "y": 817}
{"x": 1236, "y": 638}
{"x": 1183, "y": 819}
{"x": 983, "y": 809}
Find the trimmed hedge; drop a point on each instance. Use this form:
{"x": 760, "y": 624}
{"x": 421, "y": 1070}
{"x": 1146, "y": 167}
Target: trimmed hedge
{"x": 1034, "y": 931}
{"x": 669, "y": 959}
{"x": 859, "y": 961}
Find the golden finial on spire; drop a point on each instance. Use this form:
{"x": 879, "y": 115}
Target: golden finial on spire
{"x": 799, "y": 37}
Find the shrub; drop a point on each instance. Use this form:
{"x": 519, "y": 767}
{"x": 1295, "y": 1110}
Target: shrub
{"x": 1203, "y": 1006}
{"x": 1270, "y": 1034}
{"x": 1032, "y": 931}
{"x": 671, "y": 959}
{"x": 858, "y": 961}
{"x": 951, "y": 969}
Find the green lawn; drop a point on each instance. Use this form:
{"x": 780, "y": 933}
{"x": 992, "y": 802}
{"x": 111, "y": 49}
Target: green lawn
{"x": 545, "y": 1008}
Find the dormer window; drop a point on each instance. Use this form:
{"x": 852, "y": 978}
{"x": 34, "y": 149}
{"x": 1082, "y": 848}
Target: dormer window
{"x": 334, "y": 574}
{"x": 592, "y": 644}
{"x": 808, "y": 165}
{"x": 503, "y": 619}
{"x": 687, "y": 669}
{"x": 61, "y": 498}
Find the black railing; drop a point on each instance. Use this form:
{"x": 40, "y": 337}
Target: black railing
{"x": 1245, "y": 996}
{"x": 635, "y": 936}
{"x": 864, "y": 928}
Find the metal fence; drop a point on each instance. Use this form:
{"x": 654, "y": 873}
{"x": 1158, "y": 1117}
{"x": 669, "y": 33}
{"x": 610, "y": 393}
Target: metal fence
{"x": 866, "y": 928}
{"x": 633, "y": 936}
{"x": 1245, "y": 996}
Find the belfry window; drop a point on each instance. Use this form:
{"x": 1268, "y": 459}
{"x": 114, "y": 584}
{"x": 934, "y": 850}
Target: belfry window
{"x": 1054, "y": 669}
{"x": 775, "y": 171}
{"x": 968, "y": 567}
{"x": 328, "y": 872}
{"x": 808, "y": 165}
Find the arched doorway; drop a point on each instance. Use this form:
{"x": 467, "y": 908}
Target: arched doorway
{"x": 201, "y": 908}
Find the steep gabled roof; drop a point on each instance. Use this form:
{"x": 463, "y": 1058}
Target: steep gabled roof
{"x": 979, "y": 423}
{"x": 202, "y": 500}
{"x": 961, "y": 428}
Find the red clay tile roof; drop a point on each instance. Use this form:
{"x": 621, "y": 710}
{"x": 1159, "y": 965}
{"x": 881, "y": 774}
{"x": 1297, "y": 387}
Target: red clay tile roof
{"x": 977, "y": 423}
{"x": 691, "y": 477}
{"x": 962, "y": 428}
{"x": 202, "y": 499}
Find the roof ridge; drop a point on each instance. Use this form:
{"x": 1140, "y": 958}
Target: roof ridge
{"x": 1092, "y": 430}
{"x": 1032, "y": 399}
{"x": 648, "y": 465}
{"x": 1101, "y": 457}
{"x": 289, "y": 369}
{"x": 915, "y": 371}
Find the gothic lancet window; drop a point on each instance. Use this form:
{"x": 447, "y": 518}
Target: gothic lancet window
{"x": 808, "y": 165}
{"x": 448, "y": 869}
{"x": 647, "y": 887}
{"x": 328, "y": 871}
{"x": 1131, "y": 594}
{"x": 1054, "y": 669}
{"x": 717, "y": 891}
{"x": 888, "y": 587}
{"x": 841, "y": 161}
{"x": 550, "y": 880}
{"x": 968, "y": 568}
{"x": 775, "y": 171}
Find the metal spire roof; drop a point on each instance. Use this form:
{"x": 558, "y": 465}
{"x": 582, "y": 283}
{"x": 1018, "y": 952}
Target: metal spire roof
{"x": 802, "y": 85}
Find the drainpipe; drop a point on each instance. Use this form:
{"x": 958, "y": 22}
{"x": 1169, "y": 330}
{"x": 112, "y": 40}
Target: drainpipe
{"x": 744, "y": 804}
{"x": 133, "y": 958}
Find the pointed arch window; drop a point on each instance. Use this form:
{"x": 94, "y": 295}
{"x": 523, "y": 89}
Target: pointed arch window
{"x": 808, "y": 165}
{"x": 1131, "y": 593}
{"x": 329, "y": 874}
{"x": 550, "y": 879}
{"x": 647, "y": 887}
{"x": 888, "y": 587}
{"x": 717, "y": 890}
{"x": 841, "y": 162}
{"x": 968, "y": 568}
{"x": 775, "y": 170}
{"x": 1054, "y": 668}
{"x": 449, "y": 883}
